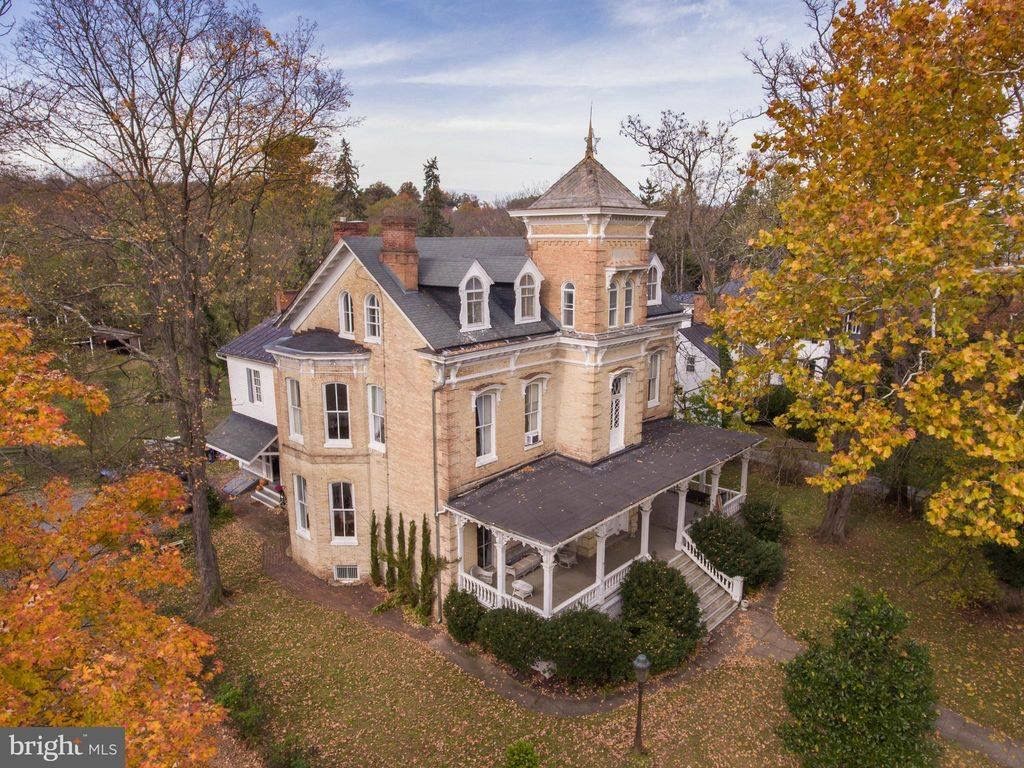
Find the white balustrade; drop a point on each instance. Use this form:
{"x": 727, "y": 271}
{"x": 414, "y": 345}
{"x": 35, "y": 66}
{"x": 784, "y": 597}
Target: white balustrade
{"x": 731, "y": 584}
{"x": 489, "y": 597}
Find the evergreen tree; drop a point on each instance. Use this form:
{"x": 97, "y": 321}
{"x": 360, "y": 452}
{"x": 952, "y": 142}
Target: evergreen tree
{"x": 375, "y": 572}
{"x": 427, "y": 572}
{"x": 434, "y": 223}
{"x": 409, "y": 190}
{"x": 650, "y": 193}
{"x": 409, "y": 569}
{"x": 347, "y": 199}
{"x": 389, "y": 552}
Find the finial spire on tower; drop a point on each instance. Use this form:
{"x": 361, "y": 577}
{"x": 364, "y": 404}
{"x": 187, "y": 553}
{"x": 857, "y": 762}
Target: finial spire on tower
{"x": 590, "y": 133}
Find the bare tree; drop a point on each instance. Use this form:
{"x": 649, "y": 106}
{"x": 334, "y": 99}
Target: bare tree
{"x": 165, "y": 114}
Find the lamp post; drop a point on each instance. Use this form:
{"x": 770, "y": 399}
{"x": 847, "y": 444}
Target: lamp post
{"x": 641, "y": 668}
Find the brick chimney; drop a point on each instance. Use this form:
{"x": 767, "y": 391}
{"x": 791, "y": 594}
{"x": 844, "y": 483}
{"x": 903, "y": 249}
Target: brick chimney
{"x": 701, "y": 308}
{"x": 398, "y": 250}
{"x": 342, "y": 227}
{"x": 284, "y": 299}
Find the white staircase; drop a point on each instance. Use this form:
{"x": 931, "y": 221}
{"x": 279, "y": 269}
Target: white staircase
{"x": 266, "y": 496}
{"x": 716, "y": 603}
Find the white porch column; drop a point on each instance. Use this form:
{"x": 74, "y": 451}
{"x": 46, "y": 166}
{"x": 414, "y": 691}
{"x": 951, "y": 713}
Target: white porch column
{"x": 548, "y": 563}
{"x": 744, "y": 466}
{"x": 716, "y": 473}
{"x": 602, "y": 534}
{"x": 645, "y": 528}
{"x": 460, "y": 523}
{"x": 681, "y": 512}
{"x": 500, "y": 540}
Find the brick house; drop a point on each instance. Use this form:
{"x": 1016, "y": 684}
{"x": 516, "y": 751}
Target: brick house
{"x": 518, "y": 392}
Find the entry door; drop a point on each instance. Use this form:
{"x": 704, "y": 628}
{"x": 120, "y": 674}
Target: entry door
{"x": 618, "y": 406}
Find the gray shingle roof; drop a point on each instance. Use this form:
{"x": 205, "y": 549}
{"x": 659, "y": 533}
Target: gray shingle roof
{"x": 588, "y": 184}
{"x": 445, "y": 260}
{"x": 319, "y": 340}
{"x": 554, "y": 498}
{"x": 699, "y": 334}
{"x": 251, "y": 344}
{"x": 241, "y": 436}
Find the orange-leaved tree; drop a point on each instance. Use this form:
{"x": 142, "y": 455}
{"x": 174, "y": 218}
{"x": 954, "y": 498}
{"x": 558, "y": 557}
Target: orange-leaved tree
{"x": 899, "y": 131}
{"x": 81, "y": 642}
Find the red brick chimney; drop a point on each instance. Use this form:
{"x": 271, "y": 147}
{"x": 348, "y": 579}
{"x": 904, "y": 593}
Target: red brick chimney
{"x": 342, "y": 227}
{"x": 398, "y": 250}
{"x": 284, "y": 299}
{"x": 701, "y": 308}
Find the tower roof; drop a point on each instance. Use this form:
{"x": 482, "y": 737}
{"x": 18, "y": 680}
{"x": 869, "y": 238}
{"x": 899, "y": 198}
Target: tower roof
{"x": 588, "y": 184}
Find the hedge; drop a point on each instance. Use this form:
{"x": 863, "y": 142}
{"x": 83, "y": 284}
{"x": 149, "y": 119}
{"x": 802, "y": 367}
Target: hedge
{"x": 588, "y": 646}
{"x": 516, "y": 638}
{"x": 764, "y": 519}
{"x": 733, "y": 549}
{"x": 653, "y": 591}
{"x": 462, "y": 612}
{"x": 663, "y": 647}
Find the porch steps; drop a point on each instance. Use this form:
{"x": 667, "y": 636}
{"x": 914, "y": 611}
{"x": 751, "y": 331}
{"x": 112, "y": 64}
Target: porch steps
{"x": 716, "y": 604}
{"x": 266, "y": 496}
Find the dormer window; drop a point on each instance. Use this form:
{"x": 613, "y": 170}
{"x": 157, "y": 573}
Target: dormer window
{"x": 527, "y": 293}
{"x": 474, "y": 290}
{"x": 474, "y": 302}
{"x": 627, "y": 303}
{"x": 654, "y": 275}
{"x": 568, "y": 305}
{"x": 613, "y": 305}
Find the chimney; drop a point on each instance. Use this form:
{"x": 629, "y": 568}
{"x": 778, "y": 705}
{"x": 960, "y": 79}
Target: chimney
{"x": 284, "y": 299}
{"x": 701, "y": 308}
{"x": 398, "y": 250}
{"x": 342, "y": 227}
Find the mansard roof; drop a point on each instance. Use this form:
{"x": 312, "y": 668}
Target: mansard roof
{"x": 588, "y": 184}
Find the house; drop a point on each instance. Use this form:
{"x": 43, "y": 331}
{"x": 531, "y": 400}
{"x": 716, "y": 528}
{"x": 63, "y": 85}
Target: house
{"x": 516, "y": 393}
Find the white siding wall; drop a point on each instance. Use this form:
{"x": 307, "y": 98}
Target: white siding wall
{"x": 238, "y": 383}
{"x": 704, "y": 368}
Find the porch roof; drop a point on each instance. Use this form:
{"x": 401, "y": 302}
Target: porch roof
{"x": 242, "y": 437}
{"x": 555, "y": 498}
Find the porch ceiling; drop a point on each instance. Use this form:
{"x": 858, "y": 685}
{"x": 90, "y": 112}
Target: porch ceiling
{"x": 551, "y": 500}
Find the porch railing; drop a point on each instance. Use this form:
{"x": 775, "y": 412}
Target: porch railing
{"x": 731, "y": 501}
{"x": 490, "y": 597}
{"x": 589, "y": 597}
{"x": 731, "y": 584}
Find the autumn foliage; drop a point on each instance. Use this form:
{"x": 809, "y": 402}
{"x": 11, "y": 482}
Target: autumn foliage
{"x": 81, "y": 642}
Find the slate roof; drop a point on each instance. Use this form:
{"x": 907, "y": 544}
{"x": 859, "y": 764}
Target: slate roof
{"x": 251, "y": 344}
{"x": 554, "y": 498}
{"x": 698, "y": 334}
{"x": 732, "y": 287}
{"x": 685, "y": 298}
{"x": 588, "y": 184}
{"x": 319, "y": 341}
{"x": 241, "y": 436}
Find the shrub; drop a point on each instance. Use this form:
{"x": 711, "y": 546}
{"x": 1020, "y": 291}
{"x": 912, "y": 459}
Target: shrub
{"x": 513, "y": 637}
{"x": 389, "y": 552}
{"x": 1007, "y": 563}
{"x": 664, "y": 648}
{"x": 774, "y": 404}
{"x": 462, "y": 612}
{"x": 653, "y": 591}
{"x": 521, "y": 754}
{"x": 736, "y": 551}
{"x": 290, "y": 752}
{"x": 588, "y": 646}
{"x": 220, "y": 512}
{"x": 763, "y": 519}
{"x": 376, "y": 574}
{"x": 243, "y": 704}
{"x": 865, "y": 699}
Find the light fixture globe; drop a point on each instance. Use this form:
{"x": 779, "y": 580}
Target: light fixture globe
{"x": 641, "y": 668}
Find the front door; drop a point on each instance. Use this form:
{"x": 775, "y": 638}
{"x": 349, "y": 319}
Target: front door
{"x": 618, "y": 416}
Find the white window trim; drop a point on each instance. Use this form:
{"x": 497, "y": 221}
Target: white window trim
{"x": 366, "y": 319}
{"x": 561, "y": 305}
{"x": 350, "y": 580}
{"x": 254, "y": 382}
{"x": 654, "y": 363}
{"x": 529, "y": 268}
{"x": 613, "y": 304}
{"x": 350, "y": 315}
{"x": 342, "y": 540}
{"x": 302, "y": 531}
{"x": 292, "y": 434}
{"x": 542, "y": 383}
{"x": 341, "y": 443}
{"x": 491, "y": 457}
{"x": 851, "y": 325}
{"x": 475, "y": 270}
{"x": 374, "y": 445}
{"x": 629, "y": 306}
{"x": 660, "y": 269}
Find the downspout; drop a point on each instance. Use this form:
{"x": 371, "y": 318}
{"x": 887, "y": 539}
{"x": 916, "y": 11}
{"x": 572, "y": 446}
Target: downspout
{"x": 437, "y": 500}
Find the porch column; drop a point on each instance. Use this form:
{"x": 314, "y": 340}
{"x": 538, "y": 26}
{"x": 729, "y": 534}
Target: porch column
{"x": 645, "y": 528}
{"x": 460, "y": 522}
{"x": 500, "y": 540}
{"x": 681, "y": 512}
{"x": 548, "y": 563}
{"x": 744, "y": 466}
{"x": 716, "y": 473}
{"x": 602, "y": 534}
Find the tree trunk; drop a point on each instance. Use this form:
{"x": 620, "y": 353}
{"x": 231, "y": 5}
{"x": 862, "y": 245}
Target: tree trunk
{"x": 837, "y": 511}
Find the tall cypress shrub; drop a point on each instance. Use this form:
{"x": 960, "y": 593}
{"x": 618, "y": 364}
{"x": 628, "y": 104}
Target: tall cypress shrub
{"x": 409, "y": 570}
{"x": 427, "y": 573}
{"x": 389, "y": 552}
{"x": 375, "y": 572}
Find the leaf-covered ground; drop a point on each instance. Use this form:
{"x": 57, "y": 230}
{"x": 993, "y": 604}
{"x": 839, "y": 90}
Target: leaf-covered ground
{"x": 370, "y": 697}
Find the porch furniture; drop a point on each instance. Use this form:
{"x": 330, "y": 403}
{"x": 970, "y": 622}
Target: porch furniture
{"x": 523, "y": 565}
{"x": 486, "y": 575}
{"x": 566, "y": 556}
{"x": 522, "y": 589}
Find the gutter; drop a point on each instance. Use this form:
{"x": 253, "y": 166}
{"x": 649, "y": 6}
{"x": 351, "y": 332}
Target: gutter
{"x": 437, "y": 501}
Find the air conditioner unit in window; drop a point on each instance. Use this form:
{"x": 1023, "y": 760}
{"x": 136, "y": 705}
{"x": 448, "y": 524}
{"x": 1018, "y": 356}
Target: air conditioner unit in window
{"x": 533, "y": 439}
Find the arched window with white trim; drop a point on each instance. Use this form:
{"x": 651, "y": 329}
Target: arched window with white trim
{"x": 346, "y": 318}
{"x": 568, "y": 305}
{"x": 613, "y": 304}
{"x": 372, "y": 320}
{"x": 526, "y": 305}
{"x": 474, "y": 290}
{"x": 654, "y": 277}
{"x": 627, "y": 303}
{"x": 474, "y": 301}
{"x": 485, "y": 410}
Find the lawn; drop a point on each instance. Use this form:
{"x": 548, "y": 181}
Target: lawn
{"x": 371, "y": 697}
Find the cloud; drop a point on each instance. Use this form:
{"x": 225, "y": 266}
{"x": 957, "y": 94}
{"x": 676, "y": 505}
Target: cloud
{"x": 652, "y": 13}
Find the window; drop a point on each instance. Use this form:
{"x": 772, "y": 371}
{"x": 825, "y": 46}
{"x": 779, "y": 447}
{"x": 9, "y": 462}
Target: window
{"x": 568, "y": 305}
{"x": 474, "y": 302}
{"x": 532, "y": 413}
{"x": 343, "y": 513}
{"x": 527, "y": 304}
{"x": 375, "y": 400}
{"x": 627, "y": 303}
{"x": 654, "y": 275}
{"x": 346, "y": 573}
{"x": 850, "y": 324}
{"x": 483, "y": 408}
{"x": 294, "y": 409}
{"x": 691, "y": 364}
{"x": 255, "y": 387}
{"x": 654, "y": 378}
{"x": 484, "y": 539}
{"x": 301, "y": 511}
{"x": 372, "y": 307}
{"x": 347, "y": 324}
{"x": 613, "y": 305}
{"x": 336, "y": 414}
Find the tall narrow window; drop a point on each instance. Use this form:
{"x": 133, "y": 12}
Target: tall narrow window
{"x": 613, "y": 305}
{"x": 568, "y": 305}
{"x": 301, "y": 510}
{"x": 532, "y": 413}
{"x": 343, "y": 512}
{"x": 347, "y": 322}
{"x": 484, "y": 410}
{"x": 474, "y": 301}
{"x": 294, "y": 409}
{"x": 691, "y": 364}
{"x": 255, "y": 387}
{"x": 851, "y": 324}
{"x": 527, "y": 299}
{"x": 484, "y": 557}
{"x": 375, "y": 398}
{"x": 627, "y": 303}
{"x": 336, "y": 428}
{"x": 653, "y": 286}
{"x": 654, "y": 379}
{"x": 372, "y": 307}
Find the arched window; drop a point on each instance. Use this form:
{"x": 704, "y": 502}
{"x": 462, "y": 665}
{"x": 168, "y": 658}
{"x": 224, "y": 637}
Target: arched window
{"x": 346, "y": 321}
{"x": 568, "y": 305}
{"x": 372, "y": 307}
{"x": 654, "y": 275}
{"x": 627, "y": 303}
{"x": 484, "y": 410}
{"x": 474, "y": 289}
{"x": 613, "y": 305}
{"x": 527, "y": 289}
{"x": 474, "y": 302}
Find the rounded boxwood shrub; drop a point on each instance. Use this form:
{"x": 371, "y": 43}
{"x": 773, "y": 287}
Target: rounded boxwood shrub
{"x": 864, "y": 699}
{"x": 763, "y": 519}
{"x": 588, "y": 646}
{"x": 664, "y": 648}
{"x": 734, "y": 550}
{"x": 514, "y": 637}
{"x": 521, "y": 754}
{"x": 462, "y": 614}
{"x": 653, "y": 591}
